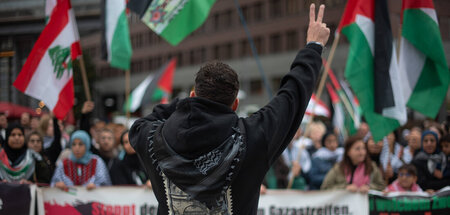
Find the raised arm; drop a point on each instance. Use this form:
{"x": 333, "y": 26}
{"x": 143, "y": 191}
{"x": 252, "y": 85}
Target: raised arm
{"x": 277, "y": 122}
{"x": 86, "y": 111}
{"x": 317, "y": 30}
{"x": 55, "y": 149}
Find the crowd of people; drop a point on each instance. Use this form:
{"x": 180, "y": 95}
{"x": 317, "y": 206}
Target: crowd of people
{"x": 414, "y": 158}
{"x": 43, "y": 150}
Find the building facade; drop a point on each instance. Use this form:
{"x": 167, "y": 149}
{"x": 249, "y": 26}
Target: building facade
{"x": 278, "y": 29}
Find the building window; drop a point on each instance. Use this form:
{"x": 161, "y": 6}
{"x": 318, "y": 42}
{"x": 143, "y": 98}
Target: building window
{"x": 169, "y": 57}
{"x": 136, "y": 40}
{"x": 202, "y": 55}
{"x": 275, "y": 8}
{"x": 216, "y": 52}
{"x": 179, "y": 59}
{"x": 158, "y": 62}
{"x": 150, "y": 63}
{"x": 245, "y": 49}
{"x": 217, "y": 21}
{"x": 292, "y": 40}
{"x": 256, "y": 87}
{"x": 192, "y": 57}
{"x": 259, "y": 45}
{"x": 275, "y": 43}
{"x": 197, "y": 56}
{"x": 228, "y": 19}
{"x": 258, "y": 11}
{"x": 292, "y": 6}
{"x": 228, "y": 51}
{"x": 246, "y": 13}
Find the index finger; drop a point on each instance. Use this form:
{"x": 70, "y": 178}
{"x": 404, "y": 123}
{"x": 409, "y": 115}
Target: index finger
{"x": 320, "y": 15}
{"x": 312, "y": 13}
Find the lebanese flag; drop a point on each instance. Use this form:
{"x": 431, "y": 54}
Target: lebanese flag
{"x": 47, "y": 73}
{"x": 422, "y": 62}
{"x": 49, "y": 6}
{"x": 371, "y": 68}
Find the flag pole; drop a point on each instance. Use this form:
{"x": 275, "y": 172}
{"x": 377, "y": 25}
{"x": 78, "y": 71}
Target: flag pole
{"x": 318, "y": 95}
{"x": 254, "y": 50}
{"x": 347, "y": 106}
{"x": 127, "y": 94}
{"x": 85, "y": 80}
{"x": 344, "y": 100}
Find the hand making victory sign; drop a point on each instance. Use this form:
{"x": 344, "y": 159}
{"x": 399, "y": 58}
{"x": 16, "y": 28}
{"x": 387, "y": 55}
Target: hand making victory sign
{"x": 317, "y": 31}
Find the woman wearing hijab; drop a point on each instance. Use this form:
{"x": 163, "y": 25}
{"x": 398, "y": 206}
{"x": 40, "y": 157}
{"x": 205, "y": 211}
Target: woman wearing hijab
{"x": 429, "y": 163}
{"x": 128, "y": 171}
{"x": 20, "y": 164}
{"x": 324, "y": 159}
{"x": 356, "y": 172}
{"x": 82, "y": 168}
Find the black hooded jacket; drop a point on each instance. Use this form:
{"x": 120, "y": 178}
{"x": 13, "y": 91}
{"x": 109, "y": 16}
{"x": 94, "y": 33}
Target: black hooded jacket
{"x": 210, "y": 158}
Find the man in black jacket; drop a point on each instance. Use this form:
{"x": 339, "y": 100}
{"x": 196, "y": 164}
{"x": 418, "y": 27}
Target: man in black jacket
{"x": 202, "y": 158}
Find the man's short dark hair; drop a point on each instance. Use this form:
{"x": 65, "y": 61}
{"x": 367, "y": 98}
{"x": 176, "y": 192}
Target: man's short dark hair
{"x": 218, "y": 82}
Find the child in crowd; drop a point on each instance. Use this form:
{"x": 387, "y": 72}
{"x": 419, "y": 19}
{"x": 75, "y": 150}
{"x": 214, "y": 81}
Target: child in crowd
{"x": 406, "y": 181}
{"x": 324, "y": 159}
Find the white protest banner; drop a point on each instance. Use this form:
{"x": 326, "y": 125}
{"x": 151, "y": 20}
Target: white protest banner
{"x": 138, "y": 200}
{"x": 117, "y": 200}
{"x": 338, "y": 202}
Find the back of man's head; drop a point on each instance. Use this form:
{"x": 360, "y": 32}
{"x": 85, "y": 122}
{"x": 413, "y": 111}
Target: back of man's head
{"x": 218, "y": 82}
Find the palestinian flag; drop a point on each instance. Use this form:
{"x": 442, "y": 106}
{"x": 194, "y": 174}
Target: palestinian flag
{"x": 116, "y": 44}
{"x": 371, "y": 69}
{"x": 422, "y": 62}
{"x": 47, "y": 73}
{"x": 317, "y": 107}
{"x": 353, "y": 112}
{"x": 155, "y": 88}
{"x": 174, "y": 20}
{"x": 338, "y": 115}
{"x": 351, "y": 123}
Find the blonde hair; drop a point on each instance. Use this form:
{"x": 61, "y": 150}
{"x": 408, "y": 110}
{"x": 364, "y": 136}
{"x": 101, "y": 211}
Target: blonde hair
{"x": 316, "y": 127}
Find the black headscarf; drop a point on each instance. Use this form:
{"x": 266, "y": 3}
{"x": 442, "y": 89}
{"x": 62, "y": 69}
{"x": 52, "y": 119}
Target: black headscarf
{"x": 14, "y": 155}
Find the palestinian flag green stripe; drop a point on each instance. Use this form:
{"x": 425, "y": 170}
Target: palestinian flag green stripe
{"x": 15, "y": 173}
{"x": 121, "y": 45}
{"x": 432, "y": 84}
{"x": 359, "y": 73}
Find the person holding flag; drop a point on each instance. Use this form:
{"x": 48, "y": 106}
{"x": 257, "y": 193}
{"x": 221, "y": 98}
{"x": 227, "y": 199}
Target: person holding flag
{"x": 47, "y": 74}
{"x": 202, "y": 158}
